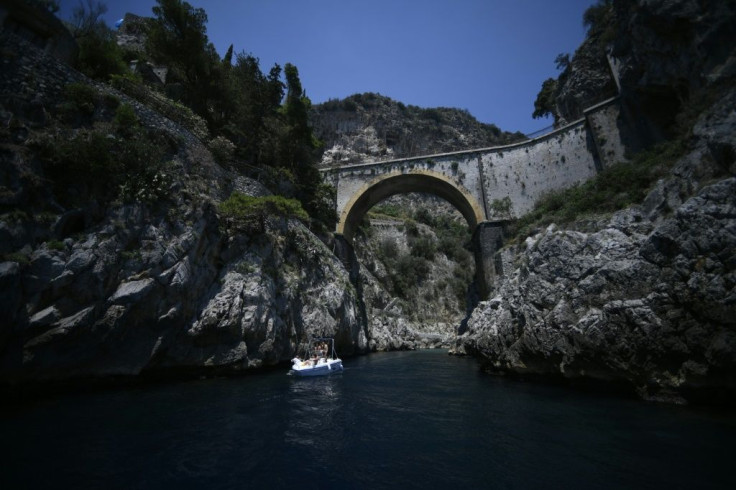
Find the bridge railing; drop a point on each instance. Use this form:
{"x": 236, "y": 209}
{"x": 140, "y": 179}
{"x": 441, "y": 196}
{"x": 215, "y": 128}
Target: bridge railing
{"x": 540, "y": 132}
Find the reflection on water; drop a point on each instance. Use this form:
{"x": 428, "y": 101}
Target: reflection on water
{"x": 395, "y": 420}
{"x": 314, "y": 405}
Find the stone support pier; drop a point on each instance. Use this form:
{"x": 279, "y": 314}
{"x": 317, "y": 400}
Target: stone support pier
{"x": 487, "y": 240}
{"x": 343, "y": 250}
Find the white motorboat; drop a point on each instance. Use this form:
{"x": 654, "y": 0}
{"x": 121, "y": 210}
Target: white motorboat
{"x": 320, "y": 360}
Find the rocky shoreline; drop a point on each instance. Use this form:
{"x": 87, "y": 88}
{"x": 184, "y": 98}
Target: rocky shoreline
{"x": 645, "y": 300}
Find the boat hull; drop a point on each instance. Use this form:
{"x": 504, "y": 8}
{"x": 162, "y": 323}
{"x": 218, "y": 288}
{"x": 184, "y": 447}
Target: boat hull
{"x": 322, "y": 369}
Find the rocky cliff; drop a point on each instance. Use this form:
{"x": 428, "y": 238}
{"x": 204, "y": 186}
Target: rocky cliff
{"x": 644, "y": 298}
{"x": 662, "y": 54}
{"x": 416, "y": 273}
{"x": 106, "y": 276}
{"x": 371, "y": 127}
{"x": 102, "y": 277}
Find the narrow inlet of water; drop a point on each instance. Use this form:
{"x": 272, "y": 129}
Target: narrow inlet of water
{"x": 418, "y": 419}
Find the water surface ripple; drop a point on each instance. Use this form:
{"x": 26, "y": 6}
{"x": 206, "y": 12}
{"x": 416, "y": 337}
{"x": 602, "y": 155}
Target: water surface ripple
{"x": 397, "y": 420}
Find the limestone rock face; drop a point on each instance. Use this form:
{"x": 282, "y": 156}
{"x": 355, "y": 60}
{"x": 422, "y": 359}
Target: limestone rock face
{"x": 584, "y": 83}
{"x": 686, "y": 44}
{"x": 661, "y": 51}
{"x": 391, "y": 328}
{"x": 371, "y": 127}
{"x": 645, "y": 298}
{"x": 646, "y": 301}
{"x": 151, "y": 286}
{"x": 188, "y": 299}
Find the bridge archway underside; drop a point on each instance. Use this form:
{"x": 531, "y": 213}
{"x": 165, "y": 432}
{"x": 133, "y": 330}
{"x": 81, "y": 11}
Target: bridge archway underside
{"x": 401, "y": 183}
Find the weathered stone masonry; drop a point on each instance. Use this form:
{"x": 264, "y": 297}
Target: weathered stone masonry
{"x": 489, "y": 185}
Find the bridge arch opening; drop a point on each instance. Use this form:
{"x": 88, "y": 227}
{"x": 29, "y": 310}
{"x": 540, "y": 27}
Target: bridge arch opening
{"x": 423, "y": 181}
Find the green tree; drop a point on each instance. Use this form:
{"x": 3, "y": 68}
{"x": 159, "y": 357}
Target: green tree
{"x": 299, "y": 149}
{"x": 596, "y": 16}
{"x": 562, "y": 61}
{"x": 601, "y": 22}
{"x": 243, "y": 104}
{"x": 87, "y": 19}
{"x": 178, "y": 38}
{"x": 99, "y": 54}
{"x": 545, "y": 105}
{"x": 227, "y": 60}
{"x": 250, "y": 108}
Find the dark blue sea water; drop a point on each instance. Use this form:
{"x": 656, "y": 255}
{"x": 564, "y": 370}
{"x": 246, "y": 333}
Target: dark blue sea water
{"x": 397, "y": 420}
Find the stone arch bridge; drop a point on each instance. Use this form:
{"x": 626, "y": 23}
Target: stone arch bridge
{"x": 489, "y": 186}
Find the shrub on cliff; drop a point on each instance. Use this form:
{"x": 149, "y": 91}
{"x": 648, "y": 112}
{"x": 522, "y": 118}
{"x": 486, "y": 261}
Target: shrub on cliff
{"x": 424, "y": 247}
{"x": 249, "y": 213}
{"x": 78, "y": 104}
{"x": 407, "y": 272}
{"x": 126, "y": 121}
{"x": 100, "y": 57}
{"x": 94, "y": 164}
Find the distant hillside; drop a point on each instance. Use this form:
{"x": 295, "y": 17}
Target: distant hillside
{"x": 370, "y": 127}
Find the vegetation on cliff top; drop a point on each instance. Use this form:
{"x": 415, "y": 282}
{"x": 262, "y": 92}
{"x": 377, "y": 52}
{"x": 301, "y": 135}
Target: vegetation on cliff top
{"x": 600, "y": 22}
{"x": 261, "y": 116}
{"x": 249, "y": 213}
{"x": 99, "y": 151}
{"x": 370, "y": 125}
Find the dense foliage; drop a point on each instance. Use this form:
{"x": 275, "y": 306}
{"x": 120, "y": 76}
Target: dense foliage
{"x": 425, "y": 118}
{"x": 257, "y": 121}
{"x": 99, "y": 54}
{"x": 107, "y": 156}
{"x": 409, "y": 272}
{"x": 544, "y": 105}
{"x": 264, "y": 118}
{"x": 249, "y": 213}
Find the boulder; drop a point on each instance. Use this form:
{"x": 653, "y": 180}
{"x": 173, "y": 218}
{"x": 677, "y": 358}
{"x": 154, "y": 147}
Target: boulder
{"x": 132, "y": 292}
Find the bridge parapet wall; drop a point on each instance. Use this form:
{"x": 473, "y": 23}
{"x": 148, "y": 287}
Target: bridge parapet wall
{"x": 489, "y": 186}
{"x": 506, "y": 181}
{"x": 516, "y": 177}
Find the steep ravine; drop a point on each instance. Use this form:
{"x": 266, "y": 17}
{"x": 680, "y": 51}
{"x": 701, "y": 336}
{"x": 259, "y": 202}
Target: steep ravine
{"x": 414, "y": 281}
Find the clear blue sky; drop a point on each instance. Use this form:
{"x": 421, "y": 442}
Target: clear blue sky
{"x": 487, "y": 56}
